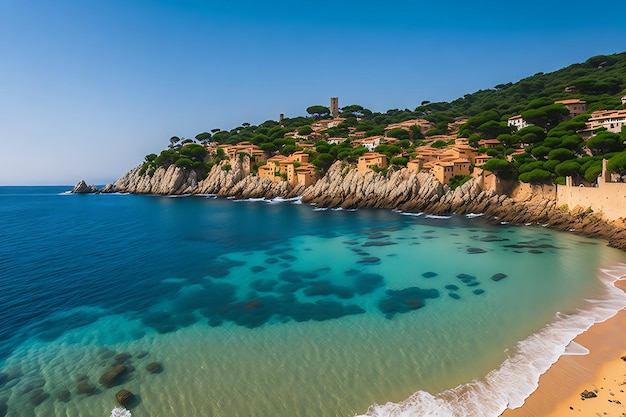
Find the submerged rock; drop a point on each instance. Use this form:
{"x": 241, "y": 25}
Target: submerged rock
{"x": 84, "y": 387}
{"x": 124, "y": 397}
{"x": 64, "y": 395}
{"x": 113, "y": 375}
{"x": 154, "y": 368}
{"x": 122, "y": 358}
{"x": 38, "y": 396}
{"x": 498, "y": 277}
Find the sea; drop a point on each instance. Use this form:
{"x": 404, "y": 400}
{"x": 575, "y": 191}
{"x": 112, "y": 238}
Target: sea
{"x": 221, "y": 307}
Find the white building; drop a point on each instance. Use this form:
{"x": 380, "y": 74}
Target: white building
{"x": 517, "y": 122}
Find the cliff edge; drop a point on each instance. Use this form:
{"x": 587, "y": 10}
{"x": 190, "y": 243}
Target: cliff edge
{"x": 343, "y": 186}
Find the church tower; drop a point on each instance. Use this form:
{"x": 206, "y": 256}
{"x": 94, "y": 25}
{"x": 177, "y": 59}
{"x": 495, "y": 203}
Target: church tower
{"x": 334, "y": 107}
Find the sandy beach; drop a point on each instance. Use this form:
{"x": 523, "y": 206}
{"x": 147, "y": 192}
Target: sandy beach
{"x": 602, "y": 372}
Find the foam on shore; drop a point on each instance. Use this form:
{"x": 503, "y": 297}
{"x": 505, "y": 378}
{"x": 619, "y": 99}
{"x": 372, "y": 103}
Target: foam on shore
{"x": 508, "y": 386}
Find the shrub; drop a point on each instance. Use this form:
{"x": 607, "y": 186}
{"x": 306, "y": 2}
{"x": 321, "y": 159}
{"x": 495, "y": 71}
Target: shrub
{"x": 592, "y": 173}
{"x": 536, "y": 176}
{"x": 398, "y": 160}
{"x": 184, "y": 163}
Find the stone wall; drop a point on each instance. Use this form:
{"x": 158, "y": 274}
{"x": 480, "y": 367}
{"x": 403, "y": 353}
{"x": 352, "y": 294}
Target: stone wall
{"x": 607, "y": 198}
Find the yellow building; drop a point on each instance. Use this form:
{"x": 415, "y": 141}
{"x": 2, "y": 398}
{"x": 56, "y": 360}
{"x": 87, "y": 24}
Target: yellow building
{"x": 446, "y": 170}
{"x": 294, "y": 168}
{"x": 371, "y": 159}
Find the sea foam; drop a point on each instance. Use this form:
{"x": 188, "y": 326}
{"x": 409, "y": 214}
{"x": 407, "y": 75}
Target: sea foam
{"x": 509, "y": 385}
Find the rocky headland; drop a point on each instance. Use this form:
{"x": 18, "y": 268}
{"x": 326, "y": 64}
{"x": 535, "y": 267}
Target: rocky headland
{"x": 342, "y": 186}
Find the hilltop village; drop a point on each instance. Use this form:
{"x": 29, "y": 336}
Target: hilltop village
{"x": 450, "y": 158}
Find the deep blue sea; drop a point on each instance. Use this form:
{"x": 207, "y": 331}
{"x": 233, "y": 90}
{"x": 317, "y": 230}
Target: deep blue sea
{"x": 277, "y": 308}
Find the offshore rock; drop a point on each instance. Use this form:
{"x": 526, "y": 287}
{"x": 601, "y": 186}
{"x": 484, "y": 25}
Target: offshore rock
{"x": 83, "y": 188}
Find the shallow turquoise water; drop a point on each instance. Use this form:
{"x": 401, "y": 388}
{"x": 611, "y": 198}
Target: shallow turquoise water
{"x": 281, "y": 309}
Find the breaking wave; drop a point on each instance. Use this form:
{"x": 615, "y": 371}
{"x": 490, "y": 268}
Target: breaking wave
{"x": 509, "y": 385}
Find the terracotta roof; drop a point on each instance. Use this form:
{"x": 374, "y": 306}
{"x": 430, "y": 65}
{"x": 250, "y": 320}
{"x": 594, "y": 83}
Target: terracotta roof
{"x": 570, "y": 101}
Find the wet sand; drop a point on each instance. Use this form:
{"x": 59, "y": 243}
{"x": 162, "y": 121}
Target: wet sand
{"x": 602, "y": 371}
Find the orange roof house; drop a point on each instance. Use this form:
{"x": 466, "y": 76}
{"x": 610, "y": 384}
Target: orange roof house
{"x": 371, "y": 159}
{"x": 444, "y": 171}
{"x": 575, "y": 106}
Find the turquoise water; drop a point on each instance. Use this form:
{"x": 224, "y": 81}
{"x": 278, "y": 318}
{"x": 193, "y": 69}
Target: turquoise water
{"x": 282, "y": 309}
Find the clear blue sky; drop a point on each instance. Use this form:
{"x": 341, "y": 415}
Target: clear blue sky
{"x": 88, "y": 88}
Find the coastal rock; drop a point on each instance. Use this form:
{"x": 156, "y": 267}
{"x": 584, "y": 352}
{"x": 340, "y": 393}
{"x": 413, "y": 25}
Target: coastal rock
{"x": 113, "y": 375}
{"x": 109, "y": 188}
{"x": 83, "y": 188}
{"x": 343, "y": 186}
{"x": 124, "y": 397}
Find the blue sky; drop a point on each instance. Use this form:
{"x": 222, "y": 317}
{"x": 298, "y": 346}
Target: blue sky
{"x": 88, "y": 88}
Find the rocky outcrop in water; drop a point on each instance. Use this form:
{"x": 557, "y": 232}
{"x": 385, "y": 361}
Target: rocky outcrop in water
{"x": 83, "y": 188}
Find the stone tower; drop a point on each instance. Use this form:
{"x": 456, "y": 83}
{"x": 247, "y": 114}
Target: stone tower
{"x": 334, "y": 107}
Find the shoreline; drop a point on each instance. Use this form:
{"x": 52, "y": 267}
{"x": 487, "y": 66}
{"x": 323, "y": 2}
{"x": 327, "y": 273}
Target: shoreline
{"x": 601, "y": 370}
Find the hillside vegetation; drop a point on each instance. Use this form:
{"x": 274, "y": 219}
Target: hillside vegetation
{"x": 547, "y": 151}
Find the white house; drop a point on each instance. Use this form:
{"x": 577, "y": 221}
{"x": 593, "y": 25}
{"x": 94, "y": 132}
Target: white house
{"x": 517, "y": 122}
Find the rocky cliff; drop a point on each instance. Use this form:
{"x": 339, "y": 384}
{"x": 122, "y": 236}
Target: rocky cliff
{"x": 343, "y": 186}
{"x": 221, "y": 181}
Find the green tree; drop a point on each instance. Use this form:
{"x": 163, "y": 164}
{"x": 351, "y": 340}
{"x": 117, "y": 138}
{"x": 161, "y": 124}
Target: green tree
{"x": 536, "y": 176}
{"x": 605, "y": 142}
{"x": 194, "y": 152}
{"x": 530, "y": 166}
{"x": 184, "y": 163}
{"x": 592, "y": 173}
{"x": 318, "y": 111}
{"x": 323, "y": 161}
{"x": 305, "y": 130}
{"x": 399, "y": 160}
{"x": 617, "y": 164}
{"x": 492, "y": 129}
{"x": 560, "y": 154}
{"x": 353, "y": 110}
{"x": 174, "y": 141}
{"x": 547, "y": 116}
{"x": 203, "y": 137}
{"x": 500, "y": 168}
{"x": 167, "y": 158}
{"x": 398, "y": 133}
{"x": 416, "y": 132}
{"x": 568, "y": 169}
{"x": 540, "y": 151}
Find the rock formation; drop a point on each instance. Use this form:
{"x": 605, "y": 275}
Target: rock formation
{"x": 343, "y": 186}
{"x": 83, "y": 188}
